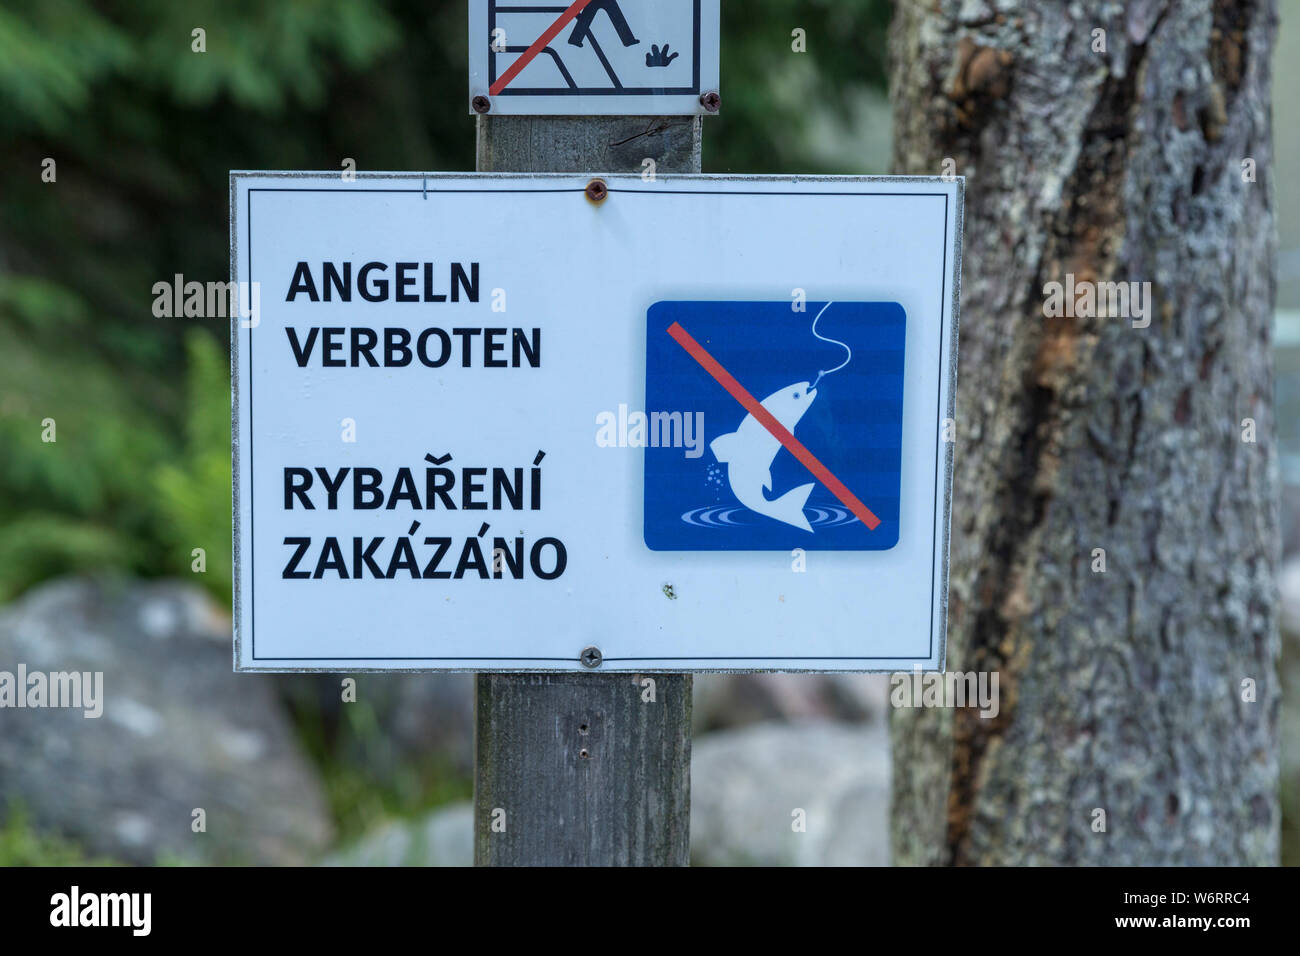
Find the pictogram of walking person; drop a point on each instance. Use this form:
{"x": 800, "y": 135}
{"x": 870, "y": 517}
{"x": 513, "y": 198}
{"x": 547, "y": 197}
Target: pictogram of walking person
{"x": 582, "y": 25}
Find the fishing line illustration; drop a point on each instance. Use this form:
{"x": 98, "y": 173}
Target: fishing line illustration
{"x": 847, "y": 358}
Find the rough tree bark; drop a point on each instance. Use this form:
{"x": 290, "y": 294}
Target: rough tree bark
{"x": 1121, "y": 690}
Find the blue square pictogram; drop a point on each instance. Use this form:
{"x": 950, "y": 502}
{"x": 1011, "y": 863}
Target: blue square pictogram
{"x": 718, "y": 478}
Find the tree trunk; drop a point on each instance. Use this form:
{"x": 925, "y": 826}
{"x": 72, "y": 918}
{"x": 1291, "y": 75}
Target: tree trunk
{"x": 1125, "y": 690}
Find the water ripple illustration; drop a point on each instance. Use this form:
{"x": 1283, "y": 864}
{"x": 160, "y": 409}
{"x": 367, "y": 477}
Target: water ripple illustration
{"x": 733, "y": 516}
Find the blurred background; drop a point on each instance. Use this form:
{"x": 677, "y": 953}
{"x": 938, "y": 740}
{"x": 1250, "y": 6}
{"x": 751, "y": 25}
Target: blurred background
{"x": 98, "y": 529}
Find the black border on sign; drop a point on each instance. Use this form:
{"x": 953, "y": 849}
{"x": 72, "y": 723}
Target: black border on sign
{"x": 945, "y": 347}
{"x": 589, "y": 91}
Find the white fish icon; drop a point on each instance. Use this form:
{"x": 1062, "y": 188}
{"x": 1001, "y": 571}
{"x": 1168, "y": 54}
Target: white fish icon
{"x": 749, "y": 450}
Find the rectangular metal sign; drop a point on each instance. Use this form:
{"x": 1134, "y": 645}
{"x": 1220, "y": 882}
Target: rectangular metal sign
{"x": 593, "y": 57}
{"x": 483, "y": 422}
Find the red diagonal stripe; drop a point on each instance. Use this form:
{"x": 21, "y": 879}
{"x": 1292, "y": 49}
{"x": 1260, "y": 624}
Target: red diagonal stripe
{"x": 768, "y": 421}
{"x": 538, "y": 46}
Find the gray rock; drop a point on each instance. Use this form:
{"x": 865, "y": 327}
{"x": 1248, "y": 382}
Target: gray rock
{"x": 722, "y": 701}
{"x": 179, "y": 731}
{"x": 444, "y": 837}
{"x": 1288, "y": 584}
{"x": 397, "y": 722}
{"x": 1290, "y": 515}
{"x": 747, "y": 784}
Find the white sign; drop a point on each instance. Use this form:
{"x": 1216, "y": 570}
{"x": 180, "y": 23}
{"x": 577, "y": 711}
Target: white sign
{"x": 485, "y": 423}
{"x": 594, "y": 57}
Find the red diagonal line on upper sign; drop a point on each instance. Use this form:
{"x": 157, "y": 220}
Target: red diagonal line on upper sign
{"x": 538, "y": 46}
{"x": 768, "y": 421}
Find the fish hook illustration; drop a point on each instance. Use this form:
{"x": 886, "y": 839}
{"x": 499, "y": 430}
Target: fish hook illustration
{"x": 847, "y": 358}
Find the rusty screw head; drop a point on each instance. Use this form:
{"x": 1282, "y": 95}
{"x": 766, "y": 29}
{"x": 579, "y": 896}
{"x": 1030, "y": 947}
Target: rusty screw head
{"x": 481, "y": 104}
{"x": 597, "y": 191}
{"x": 711, "y": 101}
{"x": 591, "y": 656}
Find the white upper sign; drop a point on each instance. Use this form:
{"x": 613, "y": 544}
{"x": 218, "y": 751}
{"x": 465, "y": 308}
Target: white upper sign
{"x": 593, "y": 57}
{"x": 484, "y": 423}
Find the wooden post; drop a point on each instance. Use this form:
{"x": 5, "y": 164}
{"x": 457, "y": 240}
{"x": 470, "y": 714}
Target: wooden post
{"x": 583, "y": 769}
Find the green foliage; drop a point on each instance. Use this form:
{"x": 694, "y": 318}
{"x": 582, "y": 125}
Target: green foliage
{"x": 50, "y": 56}
{"x": 55, "y": 54}
{"x": 144, "y": 132}
{"x": 193, "y": 492}
{"x": 114, "y": 489}
{"x": 364, "y": 782}
{"x": 22, "y": 846}
{"x": 774, "y": 100}
{"x": 81, "y": 501}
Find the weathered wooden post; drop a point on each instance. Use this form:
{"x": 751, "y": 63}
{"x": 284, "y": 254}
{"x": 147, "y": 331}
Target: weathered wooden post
{"x": 583, "y": 768}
